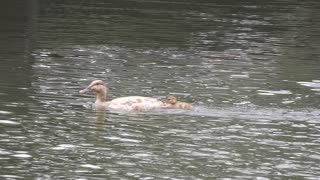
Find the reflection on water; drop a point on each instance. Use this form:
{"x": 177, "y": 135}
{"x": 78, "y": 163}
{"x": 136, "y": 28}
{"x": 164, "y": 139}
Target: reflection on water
{"x": 251, "y": 71}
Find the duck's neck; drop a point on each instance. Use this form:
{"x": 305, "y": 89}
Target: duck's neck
{"x": 101, "y": 96}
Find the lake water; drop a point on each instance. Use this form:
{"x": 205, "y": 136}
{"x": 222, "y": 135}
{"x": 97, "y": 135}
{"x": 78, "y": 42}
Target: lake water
{"x": 252, "y": 71}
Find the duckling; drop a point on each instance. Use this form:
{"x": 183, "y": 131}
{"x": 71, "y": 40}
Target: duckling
{"x": 172, "y": 102}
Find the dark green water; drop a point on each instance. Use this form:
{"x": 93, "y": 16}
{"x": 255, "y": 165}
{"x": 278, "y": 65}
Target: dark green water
{"x": 252, "y": 71}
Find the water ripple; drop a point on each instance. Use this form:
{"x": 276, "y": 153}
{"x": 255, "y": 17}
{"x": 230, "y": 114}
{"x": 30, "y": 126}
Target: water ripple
{"x": 250, "y": 70}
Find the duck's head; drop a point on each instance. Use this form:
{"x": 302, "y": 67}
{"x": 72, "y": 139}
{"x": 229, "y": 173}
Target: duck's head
{"x": 171, "y": 100}
{"x": 96, "y": 86}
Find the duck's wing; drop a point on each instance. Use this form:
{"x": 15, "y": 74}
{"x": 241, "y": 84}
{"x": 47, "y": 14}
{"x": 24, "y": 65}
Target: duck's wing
{"x": 135, "y": 103}
{"x": 130, "y": 100}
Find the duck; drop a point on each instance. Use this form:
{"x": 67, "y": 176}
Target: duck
{"x": 171, "y": 102}
{"x": 128, "y": 103}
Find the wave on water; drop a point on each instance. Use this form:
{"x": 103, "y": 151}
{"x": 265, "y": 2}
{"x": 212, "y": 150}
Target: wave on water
{"x": 249, "y": 113}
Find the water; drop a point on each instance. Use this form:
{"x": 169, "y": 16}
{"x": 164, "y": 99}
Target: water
{"x": 250, "y": 69}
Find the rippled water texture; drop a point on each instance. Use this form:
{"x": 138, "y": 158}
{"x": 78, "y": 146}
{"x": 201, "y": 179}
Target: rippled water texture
{"x": 251, "y": 71}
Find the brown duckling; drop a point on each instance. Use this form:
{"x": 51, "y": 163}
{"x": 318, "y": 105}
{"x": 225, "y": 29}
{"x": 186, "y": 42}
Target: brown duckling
{"x": 172, "y": 102}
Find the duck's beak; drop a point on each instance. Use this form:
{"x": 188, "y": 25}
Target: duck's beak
{"x": 85, "y": 90}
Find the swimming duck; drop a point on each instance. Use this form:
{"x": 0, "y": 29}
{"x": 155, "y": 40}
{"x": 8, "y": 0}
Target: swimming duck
{"x": 129, "y": 103}
{"x": 172, "y": 102}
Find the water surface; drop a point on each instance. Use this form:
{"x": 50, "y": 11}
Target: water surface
{"x": 250, "y": 69}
